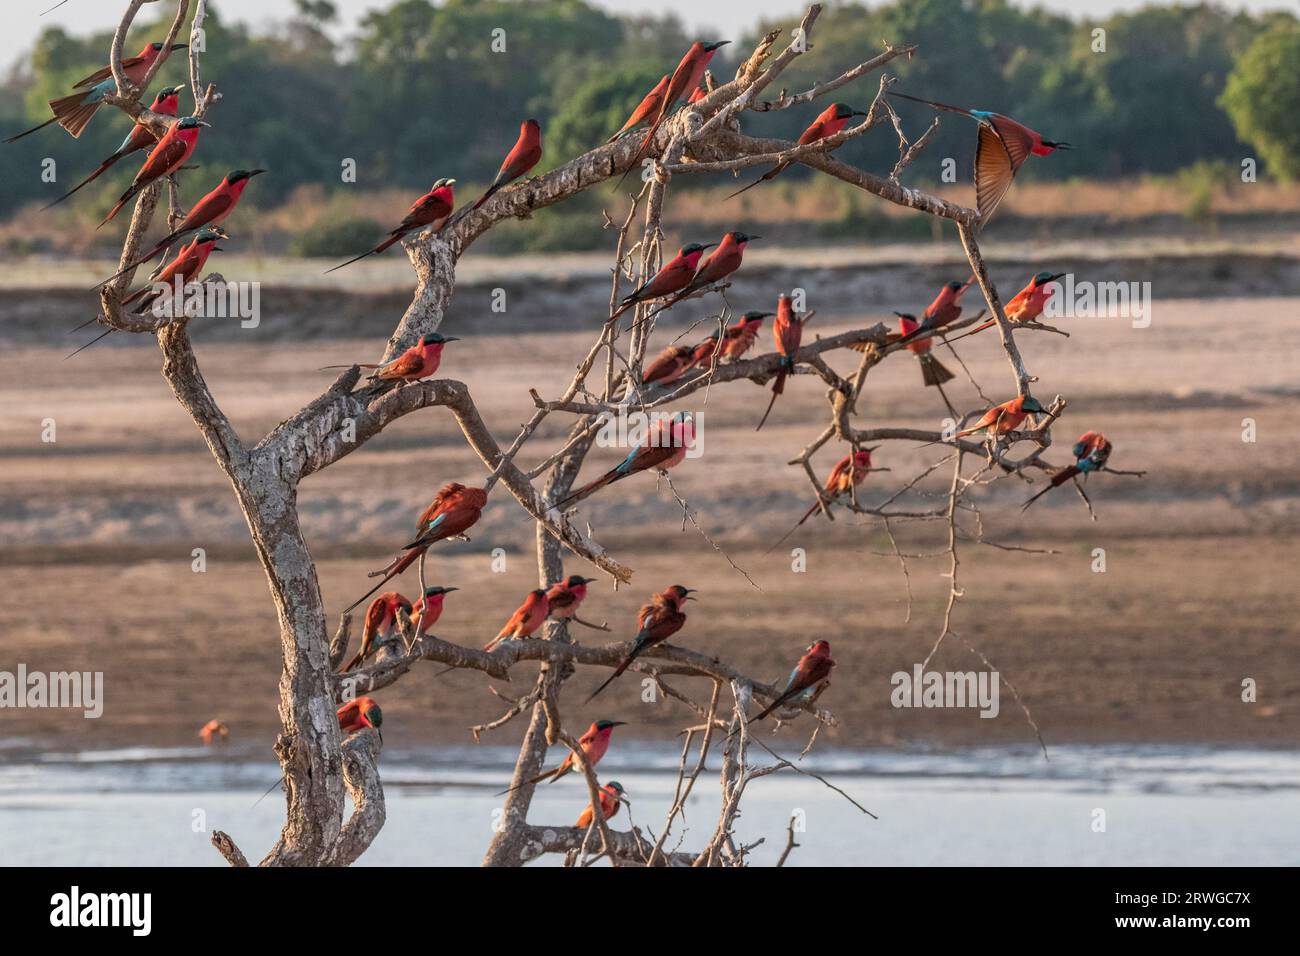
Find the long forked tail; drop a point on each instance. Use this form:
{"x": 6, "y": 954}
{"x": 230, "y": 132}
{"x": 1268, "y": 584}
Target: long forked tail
{"x": 777, "y": 388}
{"x": 608, "y": 478}
{"x": 799, "y": 524}
{"x": 537, "y": 779}
{"x": 103, "y": 168}
{"x": 90, "y": 343}
{"x": 979, "y": 328}
{"x": 391, "y": 571}
{"x": 375, "y": 251}
{"x": 770, "y": 174}
{"x": 938, "y": 106}
{"x": 126, "y": 198}
{"x": 74, "y": 113}
{"x": 155, "y": 250}
{"x": 28, "y": 132}
{"x": 1058, "y": 479}
{"x": 933, "y": 372}
{"x": 627, "y": 662}
{"x": 774, "y": 705}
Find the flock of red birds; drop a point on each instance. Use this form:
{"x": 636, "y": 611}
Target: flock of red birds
{"x": 1003, "y": 145}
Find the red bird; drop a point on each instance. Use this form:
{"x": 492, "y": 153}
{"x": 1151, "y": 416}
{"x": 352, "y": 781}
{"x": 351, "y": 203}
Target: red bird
{"x": 167, "y": 157}
{"x": 428, "y": 609}
{"x": 380, "y": 626}
{"x": 659, "y": 620}
{"x": 848, "y": 473}
{"x": 419, "y": 361}
{"x": 675, "y": 275}
{"x": 665, "y": 449}
{"x": 611, "y": 798}
{"x": 687, "y": 76}
{"x": 832, "y": 120}
{"x": 702, "y": 354}
{"x": 721, "y": 262}
{"x": 359, "y": 714}
{"x": 1091, "y": 452}
{"x": 594, "y": 743}
{"x": 523, "y": 157}
{"x": 701, "y": 91}
{"x": 648, "y": 107}
{"x": 933, "y": 372}
{"x": 211, "y": 210}
{"x": 1004, "y": 418}
{"x": 185, "y": 268}
{"x": 166, "y": 103}
{"x": 740, "y": 338}
{"x": 75, "y": 111}
{"x": 944, "y": 310}
{"x": 788, "y": 331}
{"x": 451, "y": 513}
{"x": 1003, "y": 147}
{"x": 670, "y": 365}
{"x": 814, "y": 667}
{"x": 565, "y": 597}
{"x": 431, "y": 210}
{"x": 528, "y": 617}
{"x": 1027, "y": 305}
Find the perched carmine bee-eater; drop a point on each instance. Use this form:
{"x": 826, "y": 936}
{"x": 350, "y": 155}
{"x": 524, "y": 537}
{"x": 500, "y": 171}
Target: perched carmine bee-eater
{"x": 75, "y": 111}
{"x": 451, "y": 513}
{"x": 848, "y": 473}
{"x": 611, "y": 798}
{"x": 665, "y": 448}
{"x": 813, "y": 668}
{"x": 675, "y": 275}
{"x": 943, "y": 311}
{"x": 359, "y": 714}
{"x": 788, "y": 331}
{"x": 528, "y": 617}
{"x": 419, "y": 361}
{"x": 428, "y": 609}
{"x": 719, "y": 264}
{"x": 183, "y": 269}
{"x": 1004, "y": 418}
{"x": 166, "y": 103}
{"x": 687, "y": 76}
{"x": 648, "y": 107}
{"x": 933, "y": 372}
{"x": 1003, "y": 147}
{"x": 211, "y": 210}
{"x": 659, "y": 620}
{"x": 167, "y": 157}
{"x": 594, "y": 743}
{"x": 523, "y": 157}
{"x": 670, "y": 365}
{"x": 1027, "y": 305}
{"x": 832, "y": 120}
{"x": 430, "y": 210}
{"x": 702, "y": 354}
{"x": 1091, "y": 452}
{"x": 740, "y": 338}
{"x": 380, "y": 626}
{"x": 565, "y": 597}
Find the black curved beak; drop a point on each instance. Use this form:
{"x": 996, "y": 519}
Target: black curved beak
{"x": 254, "y": 172}
{"x": 178, "y": 46}
{"x": 618, "y": 723}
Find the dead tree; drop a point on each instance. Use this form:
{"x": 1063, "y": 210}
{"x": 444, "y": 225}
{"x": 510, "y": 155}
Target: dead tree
{"x": 321, "y": 768}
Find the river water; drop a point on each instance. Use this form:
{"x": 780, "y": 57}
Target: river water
{"x": 975, "y": 807}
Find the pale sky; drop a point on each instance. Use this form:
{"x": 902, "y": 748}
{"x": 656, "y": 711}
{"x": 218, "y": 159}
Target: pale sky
{"x": 727, "y": 18}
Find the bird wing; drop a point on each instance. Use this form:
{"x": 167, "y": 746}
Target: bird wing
{"x": 408, "y": 363}
{"x": 422, "y": 212}
{"x": 994, "y": 169}
{"x": 105, "y": 72}
{"x": 206, "y": 210}
{"x": 375, "y": 616}
{"x": 169, "y": 152}
{"x": 440, "y": 501}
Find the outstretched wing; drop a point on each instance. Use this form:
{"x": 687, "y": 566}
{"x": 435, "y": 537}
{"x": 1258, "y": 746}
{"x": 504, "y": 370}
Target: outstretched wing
{"x": 995, "y": 167}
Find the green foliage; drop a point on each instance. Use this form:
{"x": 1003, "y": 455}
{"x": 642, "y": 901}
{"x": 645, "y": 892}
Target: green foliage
{"x": 599, "y": 107}
{"x": 1262, "y": 98}
{"x": 337, "y": 237}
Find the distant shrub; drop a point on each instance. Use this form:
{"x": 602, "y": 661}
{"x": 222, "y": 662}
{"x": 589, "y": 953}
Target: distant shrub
{"x": 339, "y": 237}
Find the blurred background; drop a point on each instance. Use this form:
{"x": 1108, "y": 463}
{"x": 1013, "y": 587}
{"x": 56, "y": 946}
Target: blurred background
{"x": 1135, "y": 676}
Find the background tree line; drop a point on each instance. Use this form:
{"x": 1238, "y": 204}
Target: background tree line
{"x": 419, "y": 92}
